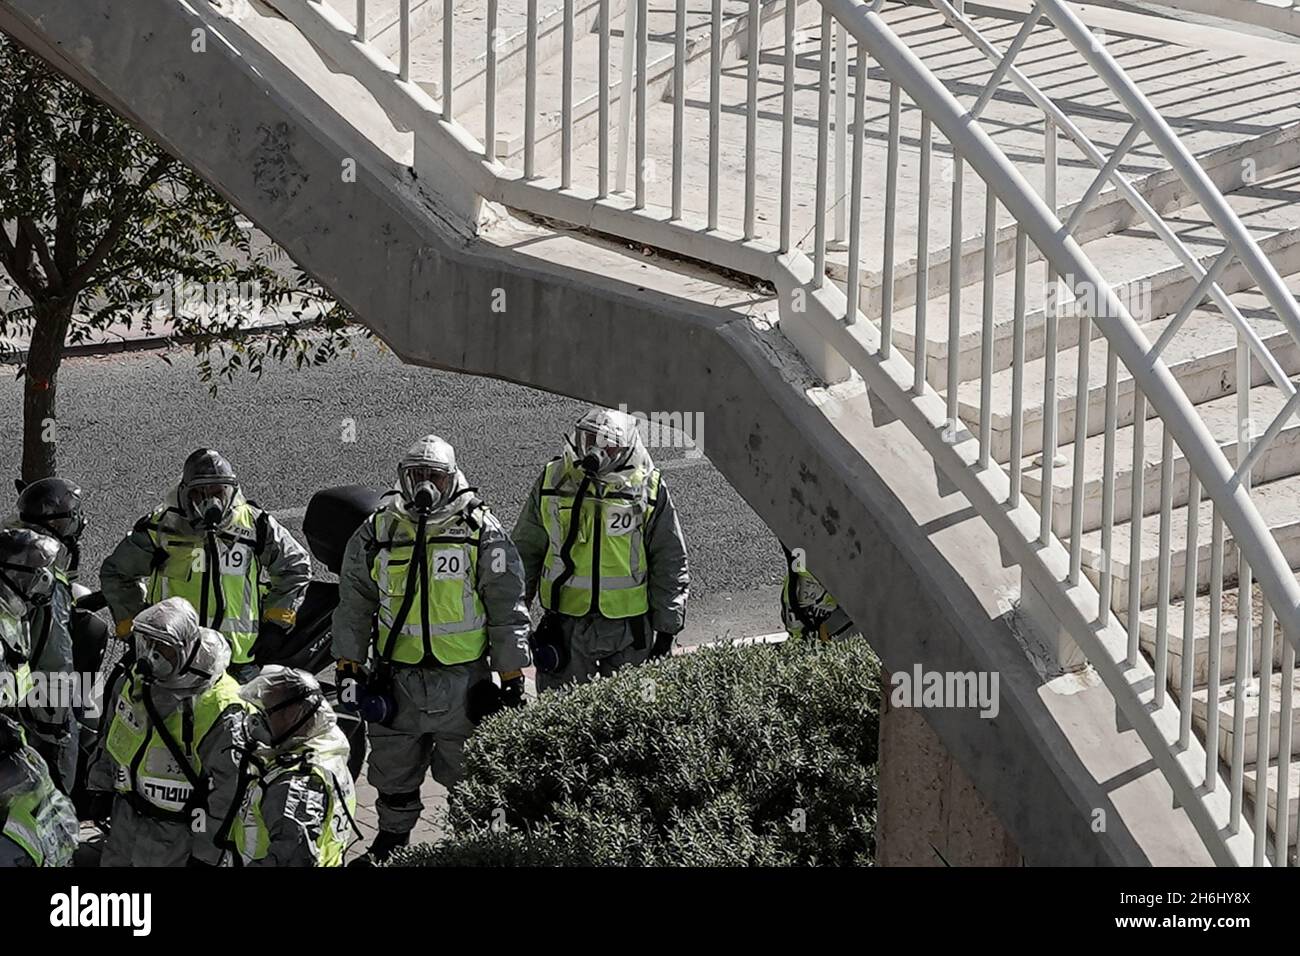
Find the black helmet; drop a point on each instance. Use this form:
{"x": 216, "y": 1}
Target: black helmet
{"x": 208, "y": 488}
{"x": 27, "y": 565}
{"x": 54, "y": 506}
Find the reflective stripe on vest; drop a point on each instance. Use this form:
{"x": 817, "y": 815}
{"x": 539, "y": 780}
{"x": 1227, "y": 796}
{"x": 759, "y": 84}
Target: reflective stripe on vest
{"x": 183, "y": 574}
{"x": 144, "y": 765}
{"x": 457, "y": 621}
{"x": 250, "y": 833}
{"x": 610, "y": 561}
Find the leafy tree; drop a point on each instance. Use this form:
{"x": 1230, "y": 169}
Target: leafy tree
{"x": 100, "y": 227}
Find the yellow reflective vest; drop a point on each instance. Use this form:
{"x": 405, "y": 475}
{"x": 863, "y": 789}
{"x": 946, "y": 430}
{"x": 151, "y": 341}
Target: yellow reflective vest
{"x": 328, "y": 764}
{"x": 805, "y": 603}
{"x": 438, "y": 613}
{"x": 610, "y": 567}
{"x": 218, "y": 573}
{"x": 145, "y": 765}
{"x": 40, "y": 820}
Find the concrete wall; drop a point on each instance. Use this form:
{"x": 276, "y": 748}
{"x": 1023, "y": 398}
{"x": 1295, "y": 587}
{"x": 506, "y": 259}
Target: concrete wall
{"x": 916, "y": 569}
{"x": 929, "y": 813}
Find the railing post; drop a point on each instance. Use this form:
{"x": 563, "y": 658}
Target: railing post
{"x": 841, "y": 129}
{"x": 404, "y": 18}
{"x": 490, "y": 85}
{"x": 751, "y": 115}
{"x": 448, "y": 59}
{"x": 625, "y": 94}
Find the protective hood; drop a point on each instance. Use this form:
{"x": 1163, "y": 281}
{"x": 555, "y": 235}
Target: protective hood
{"x": 182, "y": 520}
{"x": 28, "y": 568}
{"x": 289, "y": 709}
{"x": 174, "y": 652}
{"x": 607, "y": 443}
{"x": 208, "y": 491}
{"x": 429, "y": 483}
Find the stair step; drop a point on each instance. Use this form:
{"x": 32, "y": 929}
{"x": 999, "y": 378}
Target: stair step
{"x": 1273, "y": 773}
{"x": 1144, "y": 272}
{"x": 383, "y": 26}
{"x": 661, "y": 56}
{"x": 1269, "y": 153}
{"x": 1225, "y": 701}
{"x": 1278, "y": 503}
{"x": 1201, "y": 638}
{"x": 470, "y": 67}
{"x": 1281, "y": 458}
{"x": 1202, "y": 356}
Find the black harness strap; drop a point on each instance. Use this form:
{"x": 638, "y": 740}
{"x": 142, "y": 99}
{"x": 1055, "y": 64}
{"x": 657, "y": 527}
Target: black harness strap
{"x": 408, "y": 598}
{"x": 247, "y": 757}
{"x": 566, "y": 550}
{"x": 198, "y": 786}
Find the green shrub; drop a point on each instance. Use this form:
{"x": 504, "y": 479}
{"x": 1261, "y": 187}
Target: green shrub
{"x": 734, "y": 756}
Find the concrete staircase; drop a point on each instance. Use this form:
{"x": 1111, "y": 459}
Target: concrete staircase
{"x": 1250, "y": 145}
{"x": 821, "y": 465}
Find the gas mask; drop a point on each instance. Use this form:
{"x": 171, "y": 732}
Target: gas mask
{"x": 427, "y": 488}
{"x": 208, "y": 505}
{"x": 289, "y": 706}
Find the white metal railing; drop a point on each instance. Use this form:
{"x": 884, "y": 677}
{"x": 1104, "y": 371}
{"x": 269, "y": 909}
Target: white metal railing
{"x": 772, "y": 250}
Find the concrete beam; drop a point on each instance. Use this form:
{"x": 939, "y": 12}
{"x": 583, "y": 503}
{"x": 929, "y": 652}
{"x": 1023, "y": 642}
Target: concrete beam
{"x": 905, "y": 554}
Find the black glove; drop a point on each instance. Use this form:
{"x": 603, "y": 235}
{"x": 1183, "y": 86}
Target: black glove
{"x": 272, "y": 638}
{"x": 196, "y": 862}
{"x": 482, "y": 700}
{"x": 663, "y": 645}
{"x": 512, "y": 692}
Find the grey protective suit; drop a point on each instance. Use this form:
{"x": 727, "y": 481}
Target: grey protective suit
{"x": 294, "y": 806}
{"x": 600, "y": 645}
{"x": 24, "y": 774}
{"x": 432, "y": 721}
{"x": 137, "y": 836}
{"x": 52, "y": 724}
{"x": 124, "y": 576}
{"x": 52, "y": 729}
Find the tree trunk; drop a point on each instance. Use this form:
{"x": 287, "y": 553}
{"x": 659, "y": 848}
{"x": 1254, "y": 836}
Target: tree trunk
{"x": 40, "y": 390}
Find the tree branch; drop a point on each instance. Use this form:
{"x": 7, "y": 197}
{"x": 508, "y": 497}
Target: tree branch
{"x": 17, "y": 270}
{"x": 117, "y": 222}
{"x": 37, "y": 240}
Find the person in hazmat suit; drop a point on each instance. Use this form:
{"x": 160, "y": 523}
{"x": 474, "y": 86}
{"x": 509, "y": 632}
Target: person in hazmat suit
{"x": 808, "y": 610}
{"x": 38, "y": 826}
{"x": 602, "y": 545}
{"x": 52, "y": 507}
{"x": 297, "y": 805}
{"x": 242, "y": 571}
{"x": 171, "y": 747}
{"x": 431, "y": 602}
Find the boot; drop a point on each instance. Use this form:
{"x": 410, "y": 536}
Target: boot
{"x": 382, "y": 848}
